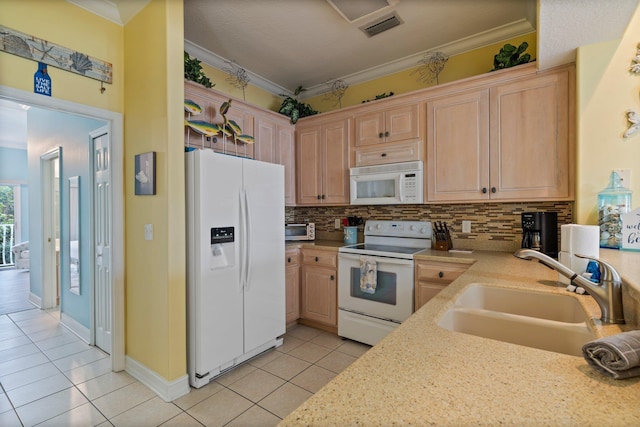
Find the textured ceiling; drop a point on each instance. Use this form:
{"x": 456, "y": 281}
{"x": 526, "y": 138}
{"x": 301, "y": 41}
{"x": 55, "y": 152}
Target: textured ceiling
{"x": 307, "y": 42}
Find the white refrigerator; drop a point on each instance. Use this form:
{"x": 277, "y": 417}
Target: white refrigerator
{"x": 235, "y": 261}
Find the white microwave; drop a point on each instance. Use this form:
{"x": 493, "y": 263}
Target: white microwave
{"x": 391, "y": 184}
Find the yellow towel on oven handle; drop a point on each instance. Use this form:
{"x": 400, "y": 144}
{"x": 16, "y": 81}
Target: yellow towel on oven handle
{"x": 368, "y": 275}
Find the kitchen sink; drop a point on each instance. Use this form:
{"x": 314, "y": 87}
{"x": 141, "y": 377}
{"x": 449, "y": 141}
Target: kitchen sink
{"x": 541, "y": 305}
{"x": 534, "y": 319}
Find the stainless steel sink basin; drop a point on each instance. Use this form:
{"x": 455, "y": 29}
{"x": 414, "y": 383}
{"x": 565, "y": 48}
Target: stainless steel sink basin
{"x": 534, "y": 319}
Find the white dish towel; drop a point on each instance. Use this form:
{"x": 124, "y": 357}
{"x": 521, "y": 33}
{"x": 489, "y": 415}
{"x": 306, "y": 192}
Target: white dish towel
{"x": 368, "y": 275}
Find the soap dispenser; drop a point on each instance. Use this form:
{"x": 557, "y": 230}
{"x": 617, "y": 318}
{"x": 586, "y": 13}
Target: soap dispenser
{"x": 613, "y": 202}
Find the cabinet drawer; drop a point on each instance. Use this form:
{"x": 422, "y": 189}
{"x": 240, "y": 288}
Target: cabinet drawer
{"x": 319, "y": 258}
{"x": 292, "y": 257}
{"x": 389, "y": 153}
{"x": 441, "y": 272}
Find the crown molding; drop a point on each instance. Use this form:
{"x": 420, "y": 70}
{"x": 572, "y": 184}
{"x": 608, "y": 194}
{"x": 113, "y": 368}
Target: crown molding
{"x": 103, "y": 8}
{"x": 476, "y": 41}
{"x": 485, "y": 38}
{"x": 221, "y": 63}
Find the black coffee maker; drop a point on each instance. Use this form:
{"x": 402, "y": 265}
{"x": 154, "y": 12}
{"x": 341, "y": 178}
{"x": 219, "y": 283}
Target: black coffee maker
{"x": 540, "y": 232}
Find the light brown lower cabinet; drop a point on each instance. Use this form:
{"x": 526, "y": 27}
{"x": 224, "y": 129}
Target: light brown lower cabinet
{"x": 431, "y": 277}
{"x": 292, "y": 285}
{"x": 319, "y": 286}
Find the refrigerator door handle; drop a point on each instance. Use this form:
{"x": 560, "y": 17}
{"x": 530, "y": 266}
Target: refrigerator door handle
{"x": 248, "y": 234}
{"x": 241, "y": 242}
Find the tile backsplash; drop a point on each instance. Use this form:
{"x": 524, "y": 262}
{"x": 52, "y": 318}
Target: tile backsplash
{"x": 494, "y": 226}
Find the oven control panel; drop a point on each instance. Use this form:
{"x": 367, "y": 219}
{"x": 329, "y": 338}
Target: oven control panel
{"x": 420, "y": 229}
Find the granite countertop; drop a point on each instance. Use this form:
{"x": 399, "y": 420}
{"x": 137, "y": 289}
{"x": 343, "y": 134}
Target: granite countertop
{"x": 422, "y": 374}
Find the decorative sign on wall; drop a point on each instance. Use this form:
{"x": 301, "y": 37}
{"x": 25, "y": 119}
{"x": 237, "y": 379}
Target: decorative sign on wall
{"x": 41, "y": 80}
{"x": 631, "y": 230}
{"x": 26, "y": 46}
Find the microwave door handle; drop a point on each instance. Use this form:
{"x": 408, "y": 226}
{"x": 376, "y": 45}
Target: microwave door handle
{"x": 401, "y": 187}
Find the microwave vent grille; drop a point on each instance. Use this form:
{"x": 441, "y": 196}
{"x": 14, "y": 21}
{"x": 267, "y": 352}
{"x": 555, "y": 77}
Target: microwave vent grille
{"x": 393, "y": 167}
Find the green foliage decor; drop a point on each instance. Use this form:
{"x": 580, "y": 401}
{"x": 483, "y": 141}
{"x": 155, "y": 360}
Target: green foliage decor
{"x": 193, "y": 71}
{"x": 509, "y": 56}
{"x": 295, "y": 109}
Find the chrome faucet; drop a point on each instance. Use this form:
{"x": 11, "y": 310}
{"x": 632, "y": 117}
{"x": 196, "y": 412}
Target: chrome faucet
{"x": 608, "y": 294}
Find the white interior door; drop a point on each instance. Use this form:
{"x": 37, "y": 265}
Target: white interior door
{"x": 50, "y": 176}
{"x": 102, "y": 301}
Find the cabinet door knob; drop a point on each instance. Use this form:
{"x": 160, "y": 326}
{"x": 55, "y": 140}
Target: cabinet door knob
{"x": 383, "y": 155}
{"x": 289, "y": 259}
{"x": 332, "y": 277}
{"x": 493, "y": 189}
{"x": 316, "y": 259}
{"x": 441, "y": 274}
{"x": 380, "y": 135}
{"x": 318, "y": 197}
{"x": 386, "y": 134}
{"x": 323, "y": 197}
{"x": 484, "y": 190}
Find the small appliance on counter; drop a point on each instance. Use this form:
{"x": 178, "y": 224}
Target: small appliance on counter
{"x": 540, "y": 232}
{"x": 294, "y": 232}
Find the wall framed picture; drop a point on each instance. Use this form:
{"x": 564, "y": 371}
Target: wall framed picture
{"x": 145, "y": 174}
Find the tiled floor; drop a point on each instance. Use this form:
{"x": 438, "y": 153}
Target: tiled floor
{"x": 49, "y": 377}
{"x": 14, "y": 290}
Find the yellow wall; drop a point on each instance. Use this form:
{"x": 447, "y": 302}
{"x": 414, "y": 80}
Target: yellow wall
{"x": 605, "y": 90}
{"x": 472, "y": 63}
{"x": 60, "y": 22}
{"x": 155, "y": 270}
{"x": 252, "y": 94}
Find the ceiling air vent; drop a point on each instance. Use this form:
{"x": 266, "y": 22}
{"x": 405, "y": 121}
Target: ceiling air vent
{"x": 381, "y": 24}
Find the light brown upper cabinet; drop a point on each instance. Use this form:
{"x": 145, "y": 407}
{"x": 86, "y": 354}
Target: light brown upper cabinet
{"x": 458, "y": 147}
{"x": 392, "y": 125}
{"x": 322, "y": 153}
{"x": 275, "y": 144}
{"x": 507, "y": 141}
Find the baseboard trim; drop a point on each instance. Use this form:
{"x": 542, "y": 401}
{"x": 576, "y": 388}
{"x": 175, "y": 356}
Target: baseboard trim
{"x": 35, "y": 300}
{"x": 76, "y": 327}
{"x": 166, "y": 390}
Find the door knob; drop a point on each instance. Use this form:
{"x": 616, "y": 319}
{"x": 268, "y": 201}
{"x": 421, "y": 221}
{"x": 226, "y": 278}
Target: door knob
{"x": 484, "y": 190}
{"x": 380, "y": 135}
{"x": 493, "y": 189}
{"x": 386, "y": 134}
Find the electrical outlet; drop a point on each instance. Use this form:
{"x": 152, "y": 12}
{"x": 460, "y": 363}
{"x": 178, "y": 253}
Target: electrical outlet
{"x": 625, "y": 175}
{"x": 466, "y": 226}
{"x": 336, "y": 224}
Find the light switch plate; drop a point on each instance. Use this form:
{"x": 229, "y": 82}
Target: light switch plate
{"x": 148, "y": 232}
{"x": 466, "y": 226}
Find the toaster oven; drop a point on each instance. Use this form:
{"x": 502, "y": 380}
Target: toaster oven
{"x": 300, "y": 231}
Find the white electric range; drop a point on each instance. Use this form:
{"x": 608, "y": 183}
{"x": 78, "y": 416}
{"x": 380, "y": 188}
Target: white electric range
{"x": 367, "y": 316}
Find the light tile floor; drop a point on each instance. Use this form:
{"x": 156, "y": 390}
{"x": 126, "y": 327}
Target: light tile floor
{"x": 48, "y": 377}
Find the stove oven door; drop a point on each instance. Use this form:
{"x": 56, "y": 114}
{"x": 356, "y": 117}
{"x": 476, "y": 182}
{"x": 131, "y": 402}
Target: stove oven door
{"x": 393, "y": 295}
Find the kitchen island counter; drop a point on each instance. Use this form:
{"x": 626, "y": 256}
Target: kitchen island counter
{"x": 422, "y": 374}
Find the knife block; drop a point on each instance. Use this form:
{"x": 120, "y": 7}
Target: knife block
{"x": 441, "y": 245}
{"x": 442, "y": 238}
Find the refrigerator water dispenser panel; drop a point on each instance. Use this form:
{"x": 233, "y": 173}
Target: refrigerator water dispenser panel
{"x": 222, "y": 247}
